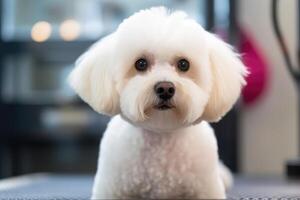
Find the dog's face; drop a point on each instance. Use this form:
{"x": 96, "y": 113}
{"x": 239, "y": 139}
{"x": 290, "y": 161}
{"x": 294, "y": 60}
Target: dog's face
{"x": 160, "y": 71}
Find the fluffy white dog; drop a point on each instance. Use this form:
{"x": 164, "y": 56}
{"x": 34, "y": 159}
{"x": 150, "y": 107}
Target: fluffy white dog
{"x": 164, "y": 78}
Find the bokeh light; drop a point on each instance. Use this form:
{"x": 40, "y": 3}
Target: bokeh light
{"x": 69, "y": 30}
{"x": 41, "y": 31}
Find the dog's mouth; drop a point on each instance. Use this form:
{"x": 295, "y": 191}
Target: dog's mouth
{"x": 164, "y": 105}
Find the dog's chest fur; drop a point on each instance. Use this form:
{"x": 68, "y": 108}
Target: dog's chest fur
{"x": 164, "y": 168}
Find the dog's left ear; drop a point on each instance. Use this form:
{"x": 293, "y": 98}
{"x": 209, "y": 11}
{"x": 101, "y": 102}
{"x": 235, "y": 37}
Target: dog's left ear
{"x": 93, "y": 77}
{"x": 228, "y": 74}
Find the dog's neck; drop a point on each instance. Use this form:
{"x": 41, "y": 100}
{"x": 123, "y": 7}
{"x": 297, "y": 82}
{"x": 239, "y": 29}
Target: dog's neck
{"x": 163, "y": 137}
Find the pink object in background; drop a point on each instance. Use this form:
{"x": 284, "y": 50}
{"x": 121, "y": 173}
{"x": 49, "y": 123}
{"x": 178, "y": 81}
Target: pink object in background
{"x": 254, "y": 59}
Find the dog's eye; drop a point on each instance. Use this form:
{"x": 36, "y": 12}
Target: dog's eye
{"x": 183, "y": 65}
{"x": 141, "y": 64}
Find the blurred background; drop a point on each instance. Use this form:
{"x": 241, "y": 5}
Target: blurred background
{"x": 45, "y": 127}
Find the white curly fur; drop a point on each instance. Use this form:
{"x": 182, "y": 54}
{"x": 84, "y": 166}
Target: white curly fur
{"x": 151, "y": 153}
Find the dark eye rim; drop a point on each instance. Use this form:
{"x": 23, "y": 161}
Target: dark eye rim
{"x": 183, "y": 68}
{"x": 138, "y": 65}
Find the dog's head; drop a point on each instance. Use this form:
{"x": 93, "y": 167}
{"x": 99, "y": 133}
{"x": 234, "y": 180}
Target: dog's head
{"x": 160, "y": 71}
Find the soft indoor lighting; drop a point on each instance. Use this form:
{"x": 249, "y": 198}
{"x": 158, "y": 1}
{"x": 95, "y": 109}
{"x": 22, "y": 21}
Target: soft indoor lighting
{"x": 41, "y": 31}
{"x": 69, "y": 30}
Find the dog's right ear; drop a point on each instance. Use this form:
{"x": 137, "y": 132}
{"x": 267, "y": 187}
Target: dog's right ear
{"x": 93, "y": 77}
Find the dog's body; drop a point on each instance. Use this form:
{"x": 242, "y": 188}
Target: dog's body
{"x": 181, "y": 164}
{"x": 165, "y": 78}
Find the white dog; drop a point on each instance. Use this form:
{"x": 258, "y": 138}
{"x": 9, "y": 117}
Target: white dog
{"x": 164, "y": 78}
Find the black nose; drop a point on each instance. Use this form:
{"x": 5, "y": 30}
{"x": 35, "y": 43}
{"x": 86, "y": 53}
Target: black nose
{"x": 165, "y": 90}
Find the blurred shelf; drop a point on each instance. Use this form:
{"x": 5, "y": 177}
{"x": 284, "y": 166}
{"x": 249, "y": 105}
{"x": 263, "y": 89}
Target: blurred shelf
{"x": 15, "y": 47}
{"x": 48, "y": 137}
{"x": 25, "y": 124}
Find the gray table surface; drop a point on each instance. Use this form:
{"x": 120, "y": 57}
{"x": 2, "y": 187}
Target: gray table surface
{"x": 54, "y": 186}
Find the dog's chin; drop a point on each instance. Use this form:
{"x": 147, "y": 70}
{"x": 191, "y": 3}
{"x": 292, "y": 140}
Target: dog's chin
{"x": 164, "y": 106}
{"x": 162, "y": 117}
